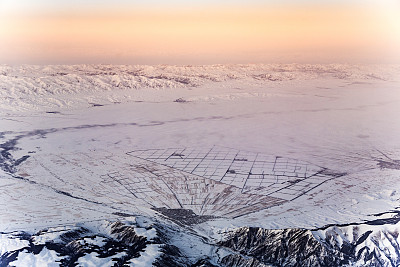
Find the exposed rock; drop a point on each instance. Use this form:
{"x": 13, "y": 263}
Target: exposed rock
{"x": 332, "y": 246}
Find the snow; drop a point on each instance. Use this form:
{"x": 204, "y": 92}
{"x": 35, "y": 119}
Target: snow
{"x": 10, "y": 244}
{"x": 51, "y": 235}
{"x": 149, "y": 234}
{"x": 382, "y": 237}
{"x": 147, "y": 257}
{"x": 44, "y": 258}
{"x": 98, "y": 240}
{"x": 92, "y": 260}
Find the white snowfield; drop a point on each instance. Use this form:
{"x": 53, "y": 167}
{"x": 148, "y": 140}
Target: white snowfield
{"x": 272, "y": 146}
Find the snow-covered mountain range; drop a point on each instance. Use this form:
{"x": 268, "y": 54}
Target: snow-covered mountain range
{"x": 32, "y": 88}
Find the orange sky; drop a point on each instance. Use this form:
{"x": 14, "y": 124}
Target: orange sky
{"x": 202, "y": 36}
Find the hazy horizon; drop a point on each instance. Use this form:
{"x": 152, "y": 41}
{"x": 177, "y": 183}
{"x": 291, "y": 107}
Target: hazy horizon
{"x": 206, "y": 32}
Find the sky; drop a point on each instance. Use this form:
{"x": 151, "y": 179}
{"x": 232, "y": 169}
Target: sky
{"x": 199, "y": 32}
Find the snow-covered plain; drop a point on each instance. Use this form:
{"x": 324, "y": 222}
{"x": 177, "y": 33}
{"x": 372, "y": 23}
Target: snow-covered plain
{"x": 270, "y": 146}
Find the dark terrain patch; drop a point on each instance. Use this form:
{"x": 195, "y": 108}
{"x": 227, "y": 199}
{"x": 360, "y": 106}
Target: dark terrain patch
{"x": 184, "y": 216}
{"x": 180, "y": 100}
{"x": 393, "y": 165}
{"x": 332, "y": 173}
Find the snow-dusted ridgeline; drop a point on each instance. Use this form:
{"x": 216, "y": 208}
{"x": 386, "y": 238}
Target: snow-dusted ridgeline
{"x": 373, "y": 243}
{"x": 30, "y": 87}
